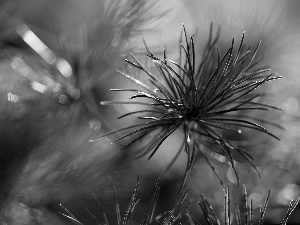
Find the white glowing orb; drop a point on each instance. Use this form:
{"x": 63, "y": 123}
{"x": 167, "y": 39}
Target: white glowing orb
{"x": 64, "y": 68}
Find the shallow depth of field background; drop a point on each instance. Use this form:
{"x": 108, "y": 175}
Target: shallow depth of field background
{"x": 275, "y": 23}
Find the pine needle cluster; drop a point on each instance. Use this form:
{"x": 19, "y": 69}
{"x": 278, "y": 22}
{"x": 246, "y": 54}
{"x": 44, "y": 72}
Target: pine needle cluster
{"x": 180, "y": 213}
{"x": 201, "y": 98}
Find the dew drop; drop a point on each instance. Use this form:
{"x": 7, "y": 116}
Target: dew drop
{"x": 188, "y": 139}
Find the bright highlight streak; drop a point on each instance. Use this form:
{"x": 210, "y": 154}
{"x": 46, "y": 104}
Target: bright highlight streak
{"x": 38, "y": 87}
{"x": 39, "y": 47}
{"x": 36, "y": 44}
{"x": 20, "y": 66}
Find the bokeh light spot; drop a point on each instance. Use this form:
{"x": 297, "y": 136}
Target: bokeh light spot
{"x": 63, "y": 99}
{"x": 289, "y": 192}
{"x": 95, "y": 124}
{"x": 291, "y": 105}
{"x": 64, "y": 68}
{"x": 231, "y": 176}
{"x": 256, "y": 200}
{"x": 12, "y": 97}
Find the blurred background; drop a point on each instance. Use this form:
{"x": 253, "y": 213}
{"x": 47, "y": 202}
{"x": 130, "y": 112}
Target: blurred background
{"x": 58, "y": 62}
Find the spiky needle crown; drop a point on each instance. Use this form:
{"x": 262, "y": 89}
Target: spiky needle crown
{"x": 199, "y": 99}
